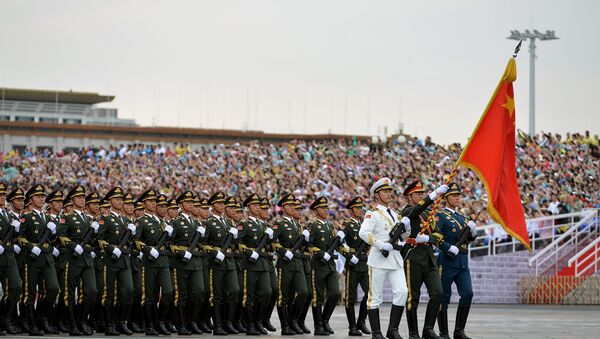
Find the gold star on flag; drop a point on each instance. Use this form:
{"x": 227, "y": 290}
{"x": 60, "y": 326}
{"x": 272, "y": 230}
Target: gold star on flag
{"x": 509, "y": 105}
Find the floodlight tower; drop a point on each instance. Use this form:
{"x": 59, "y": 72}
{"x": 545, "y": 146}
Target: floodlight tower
{"x": 532, "y": 36}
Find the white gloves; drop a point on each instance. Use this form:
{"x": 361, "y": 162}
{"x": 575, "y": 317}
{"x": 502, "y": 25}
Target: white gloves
{"x": 269, "y": 232}
{"x": 289, "y": 255}
{"x": 140, "y": 256}
{"x": 52, "y": 227}
{"x": 306, "y": 235}
{"x": 201, "y": 230}
{"x": 472, "y": 226}
{"x": 453, "y": 249}
{"x": 95, "y": 226}
{"x": 1, "y": 249}
{"x": 233, "y": 232}
{"x": 154, "y": 253}
{"x": 405, "y": 221}
{"x": 93, "y": 255}
{"x": 422, "y": 238}
{"x": 16, "y": 224}
{"x": 117, "y": 252}
{"x": 79, "y": 249}
{"x": 187, "y": 255}
{"x": 387, "y": 247}
{"x": 220, "y": 256}
{"x": 17, "y": 249}
{"x": 36, "y": 250}
{"x": 354, "y": 260}
{"x": 55, "y": 252}
{"x": 131, "y": 227}
{"x": 169, "y": 230}
{"x": 440, "y": 190}
{"x": 254, "y": 255}
{"x": 326, "y": 256}
{"x": 341, "y": 234}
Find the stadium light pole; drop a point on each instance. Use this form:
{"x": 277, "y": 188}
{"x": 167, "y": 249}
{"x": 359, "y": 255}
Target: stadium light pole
{"x": 532, "y": 36}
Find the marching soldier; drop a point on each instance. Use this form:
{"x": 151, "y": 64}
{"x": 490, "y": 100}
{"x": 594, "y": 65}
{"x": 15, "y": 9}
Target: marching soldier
{"x": 9, "y": 273}
{"x": 385, "y": 261}
{"x": 454, "y": 262}
{"x": 92, "y": 206}
{"x": 357, "y": 272}
{"x": 156, "y": 275}
{"x": 421, "y": 263}
{"x": 233, "y": 217}
{"x": 204, "y": 322}
{"x": 306, "y": 258}
{"x": 16, "y": 198}
{"x": 36, "y": 233}
{"x": 222, "y": 267}
{"x": 114, "y": 234}
{"x": 266, "y": 320}
{"x": 256, "y": 261}
{"x": 77, "y": 232}
{"x": 291, "y": 276}
{"x": 324, "y": 273}
{"x": 136, "y": 320}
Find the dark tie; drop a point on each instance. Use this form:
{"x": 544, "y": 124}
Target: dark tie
{"x": 391, "y": 215}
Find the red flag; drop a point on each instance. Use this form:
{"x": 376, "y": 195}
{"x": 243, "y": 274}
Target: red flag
{"x": 490, "y": 152}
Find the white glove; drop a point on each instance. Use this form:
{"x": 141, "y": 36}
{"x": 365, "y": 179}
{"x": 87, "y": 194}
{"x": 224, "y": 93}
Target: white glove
{"x": 220, "y": 256}
{"x": 154, "y": 253}
{"x": 269, "y": 232}
{"x": 79, "y": 249}
{"x": 440, "y": 190}
{"x": 95, "y": 226}
{"x": 254, "y": 255}
{"x": 306, "y": 235}
{"x": 52, "y": 227}
{"x": 354, "y": 260}
{"x": 341, "y": 234}
{"x": 233, "y": 232}
{"x": 140, "y": 256}
{"x": 387, "y": 247}
{"x": 93, "y": 255}
{"x": 1, "y": 249}
{"x": 422, "y": 238}
{"x": 187, "y": 255}
{"x": 201, "y": 230}
{"x": 36, "y": 250}
{"x": 289, "y": 255}
{"x": 169, "y": 230}
{"x": 117, "y": 252}
{"x": 473, "y": 227}
{"x": 406, "y": 222}
{"x": 17, "y": 249}
{"x": 16, "y": 224}
{"x": 131, "y": 227}
{"x": 55, "y": 252}
{"x": 453, "y": 249}
{"x": 326, "y": 256}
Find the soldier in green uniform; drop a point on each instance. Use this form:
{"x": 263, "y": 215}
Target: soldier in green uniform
{"x": 77, "y": 231}
{"x": 9, "y": 273}
{"x": 292, "y": 292}
{"x": 264, "y": 220}
{"x": 256, "y": 281}
{"x": 420, "y": 261}
{"x": 162, "y": 213}
{"x": 306, "y": 258}
{"x": 36, "y": 234}
{"x": 222, "y": 268}
{"x": 324, "y": 274}
{"x": 113, "y": 233}
{"x": 156, "y": 275}
{"x": 204, "y": 322}
{"x": 136, "y": 320}
{"x": 16, "y": 198}
{"x": 357, "y": 271}
{"x": 187, "y": 271}
{"x": 92, "y": 211}
{"x": 233, "y": 213}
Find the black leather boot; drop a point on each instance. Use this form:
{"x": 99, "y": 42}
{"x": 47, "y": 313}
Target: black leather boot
{"x": 413, "y": 325}
{"x": 109, "y": 326}
{"x": 283, "y": 318}
{"x": 193, "y": 319}
{"x": 266, "y": 321}
{"x": 6, "y": 322}
{"x": 238, "y": 314}
{"x": 302, "y": 318}
{"x": 293, "y": 318}
{"x": 327, "y": 312}
{"x": 250, "y": 328}
{"x": 395, "y": 316}
{"x": 74, "y": 330}
{"x": 149, "y": 312}
{"x": 318, "y": 319}
{"x": 258, "y": 316}
{"x": 375, "y": 324}
{"x": 217, "y": 325}
{"x": 83, "y": 320}
{"x": 228, "y": 324}
{"x": 443, "y": 324}
{"x": 351, "y": 316}
{"x": 429, "y": 323}
{"x": 361, "y": 324}
{"x": 181, "y": 323}
{"x": 33, "y": 329}
{"x": 462, "y": 313}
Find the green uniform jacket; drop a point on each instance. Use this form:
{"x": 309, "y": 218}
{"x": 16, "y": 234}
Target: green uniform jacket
{"x": 418, "y": 215}
{"x": 73, "y": 228}
{"x": 111, "y": 229}
{"x": 250, "y": 232}
{"x": 285, "y": 233}
{"x": 8, "y": 257}
{"x": 351, "y": 228}
{"x": 148, "y": 232}
{"x": 184, "y": 229}
{"x": 321, "y": 234}
{"x": 216, "y": 231}
{"x": 33, "y": 226}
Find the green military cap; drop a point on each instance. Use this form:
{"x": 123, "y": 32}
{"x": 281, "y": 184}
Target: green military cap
{"x": 453, "y": 188}
{"x": 27, "y": 201}
{"x": 286, "y": 199}
{"x": 216, "y": 197}
{"x": 172, "y": 203}
{"x": 320, "y": 202}
{"x": 115, "y": 192}
{"x": 104, "y": 203}
{"x": 139, "y": 206}
{"x": 230, "y": 202}
{"x": 75, "y": 191}
{"x": 2, "y": 189}
{"x": 54, "y": 196}
{"x": 356, "y": 202}
{"x": 185, "y": 196}
{"x": 16, "y": 193}
{"x": 196, "y": 201}
{"x": 298, "y": 204}
{"x": 253, "y": 199}
{"x": 264, "y": 203}
{"x": 204, "y": 203}
{"x": 91, "y": 198}
{"x": 35, "y": 190}
{"x": 414, "y": 187}
{"x": 128, "y": 199}
{"x": 238, "y": 206}
{"x": 161, "y": 200}
{"x": 148, "y": 194}
{"x": 382, "y": 184}
{"x": 67, "y": 203}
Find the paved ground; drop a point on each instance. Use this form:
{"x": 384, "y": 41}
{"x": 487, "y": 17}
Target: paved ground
{"x": 498, "y": 321}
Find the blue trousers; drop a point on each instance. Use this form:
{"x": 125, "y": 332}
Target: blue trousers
{"x": 462, "y": 278}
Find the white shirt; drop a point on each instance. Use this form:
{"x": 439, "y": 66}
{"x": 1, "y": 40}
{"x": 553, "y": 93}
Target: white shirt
{"x": 375, "y": 230}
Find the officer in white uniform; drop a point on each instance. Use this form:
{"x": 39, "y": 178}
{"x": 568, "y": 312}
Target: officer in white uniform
{"x": 375, "y": 230}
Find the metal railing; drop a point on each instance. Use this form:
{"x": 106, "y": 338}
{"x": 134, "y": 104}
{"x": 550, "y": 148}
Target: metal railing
{"x": 566, "y": 244}
{"x": 583, "y": 263}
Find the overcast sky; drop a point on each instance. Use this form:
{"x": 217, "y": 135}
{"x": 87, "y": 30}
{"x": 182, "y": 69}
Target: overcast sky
{"x": 347, "y": 66}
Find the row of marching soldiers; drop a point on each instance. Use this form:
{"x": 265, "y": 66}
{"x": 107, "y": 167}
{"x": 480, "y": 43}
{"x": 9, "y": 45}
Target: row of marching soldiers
{"x": 153, "y": 265}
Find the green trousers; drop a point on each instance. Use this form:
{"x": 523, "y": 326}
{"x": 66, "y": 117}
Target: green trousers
{"x": 291, "y": 286}
{"x": 325, "y": 281}
{"x": 82, "y": 278}
{"x": 256, "y": 287}
{"x": 189, "y": 286}
{"x": 125, "y": 284}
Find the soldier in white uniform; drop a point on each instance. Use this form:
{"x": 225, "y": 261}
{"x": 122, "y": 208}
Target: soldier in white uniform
{"x": 375, "y": 230}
